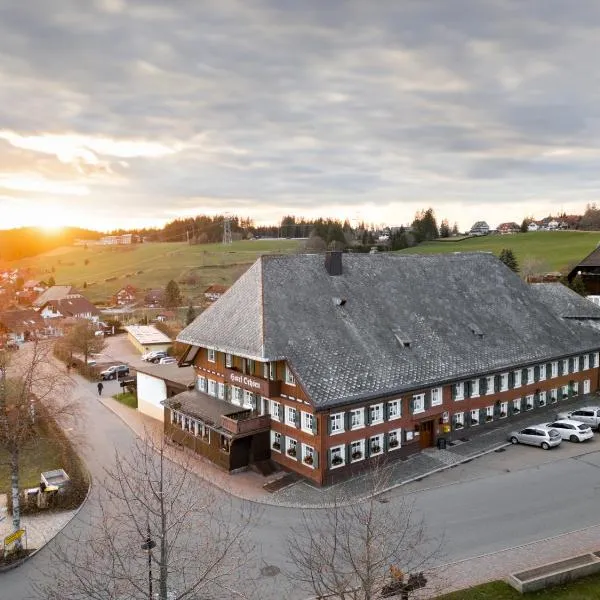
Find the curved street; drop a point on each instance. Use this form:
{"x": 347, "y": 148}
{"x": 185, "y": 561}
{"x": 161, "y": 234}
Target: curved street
{"x": 480, "y": 508}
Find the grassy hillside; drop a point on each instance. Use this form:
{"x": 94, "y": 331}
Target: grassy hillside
{"x": 559, "y": 249}
{"x": 151, "y": 265}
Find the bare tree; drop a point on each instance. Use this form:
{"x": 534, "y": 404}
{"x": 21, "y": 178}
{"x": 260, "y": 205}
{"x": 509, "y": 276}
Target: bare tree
{"x": 355, "y": 550}
{"x": 533, "y": 266}
{"x": 82, "y": 340}
{"x": 157, "y": 533}
{"x": 30, "y": 386}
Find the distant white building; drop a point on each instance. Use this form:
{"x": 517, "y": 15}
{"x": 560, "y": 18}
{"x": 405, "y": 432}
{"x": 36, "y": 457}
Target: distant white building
{"x": 110, "y": 240}
{"x": 480, "y": 228}
{"x": 532, "y": 227}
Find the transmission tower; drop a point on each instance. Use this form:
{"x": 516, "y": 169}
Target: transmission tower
{"x": 227, "y": 230}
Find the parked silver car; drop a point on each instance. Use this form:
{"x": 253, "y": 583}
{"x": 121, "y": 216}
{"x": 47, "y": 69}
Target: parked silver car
{"x": 588, "y": 414}
{"x": 536, "y": 435}
{"x": 574, "y": 431}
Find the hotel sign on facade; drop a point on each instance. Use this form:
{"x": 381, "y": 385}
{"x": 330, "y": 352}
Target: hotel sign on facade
{"x": 264, "y": 387}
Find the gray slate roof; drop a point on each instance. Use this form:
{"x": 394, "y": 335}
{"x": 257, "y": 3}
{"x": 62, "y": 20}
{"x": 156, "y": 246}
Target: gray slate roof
{"x": 284, "y": 308}
{"x": 565, "y": 302}
{"x": 205, "y": 407}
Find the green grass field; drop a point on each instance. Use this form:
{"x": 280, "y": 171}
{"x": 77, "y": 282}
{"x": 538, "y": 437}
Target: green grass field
{"x": 151, "y": 265}
{"x": 126, "y": 398}
{"x": 558, "y": 249}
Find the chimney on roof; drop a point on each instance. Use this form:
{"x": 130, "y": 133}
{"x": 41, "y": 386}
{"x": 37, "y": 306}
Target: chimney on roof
{"x": 333, "y": 262}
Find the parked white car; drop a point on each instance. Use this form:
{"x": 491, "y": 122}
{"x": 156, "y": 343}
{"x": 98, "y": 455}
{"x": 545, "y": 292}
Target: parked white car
{"x": 167, "y": 360}
{"x": 574, "y": 431}
{"x": 588, "y": 414}
{"x": 537, "y": 435}
{"x": 150, "y": 356}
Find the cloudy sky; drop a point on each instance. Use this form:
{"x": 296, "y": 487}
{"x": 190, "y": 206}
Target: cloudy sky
{"x": 120, "y": 113}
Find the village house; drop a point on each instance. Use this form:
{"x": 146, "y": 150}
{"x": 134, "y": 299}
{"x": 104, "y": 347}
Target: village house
{"x": 215, "y": 291}
{"x": 480, "y": 228}
{"x": 508, "y": 228}
{"x": 126, "y": 295}
{"x": 76, "y": 307}
{"x": 328, "y": 364}
{"x": 21, "y": 325}
{"x": 56, "y": 292}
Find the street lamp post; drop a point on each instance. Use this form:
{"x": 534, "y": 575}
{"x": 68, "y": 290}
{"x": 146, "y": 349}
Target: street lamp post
{"x": 148, "y": 545}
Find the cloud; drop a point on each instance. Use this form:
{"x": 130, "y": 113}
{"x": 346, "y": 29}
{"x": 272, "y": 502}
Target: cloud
{"x": 481, "y": 110}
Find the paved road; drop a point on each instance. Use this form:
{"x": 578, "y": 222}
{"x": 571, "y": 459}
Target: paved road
{"x": 495, "y": 511}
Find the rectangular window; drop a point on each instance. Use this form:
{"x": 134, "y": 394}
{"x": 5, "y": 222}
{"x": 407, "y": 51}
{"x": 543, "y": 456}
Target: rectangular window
{"x": 586, "y": 362}
{"x": 308, "y": 422}
{"x": 565, "y": 392}
{"x": 291, "y": 447}
{"x": 530, "y": 375}
{"x": 228, "y": 360}
{"x": 308, "y": 455}
{"x": 542, "y": 398}
{"x": 248, "y": 400}
{"x": 290, "y": 416}
{"x": 212, "y": 387}
{"x": 265, "y": 370}
{"x": 337, "y": 456}
{"x": 459, "y": 420}
{"x": 516, "y": 406}
{"x": 418, "y": 403}
{"x": 529, "y": 402}
{"x": 553, "y": 395}
{"x": 474, "y": 388}
{"x": 357, "y": 418}
{"x": 376, "y": 414}
{"x": 459, "y": 390}
{"x": 276, "y": 441}
{"x": 212, "y": 355}
{"x": 221, "y": 390}
{"x": 237, "y": 395}
{"x": 517, "y": 378}
{"x": 503, "y": 382}
{"x": 576, "y": 388}
{"x": 204, "y": 432}
{"x": 554, "y": 368}
{"x": 394, "y": 409}
{"x": 475, "y": 417}
{"x": 596, "y": 359}
{"x": 250, "y": 366}
{"x": 503, "y": 410}
{"x": 565, "y": 366}
{"x": 336, "y": 422}
{"x": 275, "y": 411}
{"x": 289, "y": 376}
{"x": 202, "y": 385}
{"x": 436, "y": 396}
{"x": 357, "y": 450}
{"x": 376, "y": 445}
{"x": 490, "y": 385}
{"x": 576, "y": 364}
{"x": 272, "y": 371}
{"x": 543, "y": 372}
{"x": 394, "y": 439}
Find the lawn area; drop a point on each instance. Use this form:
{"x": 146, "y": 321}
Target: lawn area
{"x": 41, "y": 454}
{"x": 126, "y": 398}
{"x": 587, "y": 588}
{"x": 151, "y": 265}
{"x": 559, "y": 249}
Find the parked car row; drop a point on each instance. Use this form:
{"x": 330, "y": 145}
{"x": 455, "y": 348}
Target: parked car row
{"x": 154, "y": 356}
{"x": 574, "y": 426}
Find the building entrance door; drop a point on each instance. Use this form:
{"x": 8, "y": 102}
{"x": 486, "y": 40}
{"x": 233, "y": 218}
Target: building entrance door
{"x": 426, "y": 434}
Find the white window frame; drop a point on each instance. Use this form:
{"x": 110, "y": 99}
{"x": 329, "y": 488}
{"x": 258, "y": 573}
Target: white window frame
{"x": 542, "y": 398}
{"x": 275, "y": 411}
{"x": 333, "y": 419}
{"x": 272, "y": 371}
{"x": 249, "y": 399}
{"x": 554, "y": 369}
{"x": 576, "y": 388}
{"x": 419, "y": 403}
{"x": 459, "y": 419}
{"x": 307, "y": 422}
{"x": 211, "y": 354}
{"x": 504, "y": 409}
{"x": 554, "y": 394}
{"x": 291, "y": 443}
{"x": 373, "y": 418}
{"x": 503, "y": 382}
{"x": 517, "y": 378}
{"x": 516, "y": 405}
{"x": 490, "y": 385}
{"x": 394, "y": 409}
{"x": 265, "y": 370}
{"x": 276, "y": 438}
{"x": 564, "y": 390}
{"x": 529, "y": 400}
{"x": 530, "y": 375}
{"x": 376, "y": 441}
{"x": 474, "y": 389}
{"x": 306, "y": 452}
{"x": 475, "y": 413}
{"x": 565, "y": 366}
{"x": 596, "y": 359}
{"x": 576, "y": 364}
{"x": 543, "y": 372}
{"x": 459, "y": 391}
{"x": 357, "y": 418}
{"x": 397, "y": 435}
{"x": 202, "y": 384}
{"x": 290, "y": 416}
{"x": 489, "y": 413}
{"x": 335, "y": 450}
{"x": 228, "y": 360}
{"x": 436, "y": 396}
{"x": 237, "y": 395}
{"x": 221, "y": 390}
{"x": 289, "y": 376}
{"x": 212, "y": 388}
{"x": 357, "y": 446}
{"x": 586, "y": 362}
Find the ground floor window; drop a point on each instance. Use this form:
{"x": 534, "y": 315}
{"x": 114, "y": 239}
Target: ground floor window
{"x": 516, "y": 406}
{"x": 489, "y": 413}
{"x": 225, "y": 444}
{"x": 291, "y": 447}
{"x": 503, "y": 409}
{"x": 576, "y": 387}
{"x": 308, "y": 455}
{"x": 376, "y": 445}
{"x": 202, "y": 384}
{"x": 459, "y": 420}
{"x": 337, "y": 456}
{"x": 474, "y": 417}
{"x": 394, "y": 439}
{"x": 529, "y": 402}
{"x": 276, "y": 441}
{"x": 357, "y": 450}
{"x": 212, "y": 387}
{"x": 542, "y": 398}
{"x": 565, "y": 392}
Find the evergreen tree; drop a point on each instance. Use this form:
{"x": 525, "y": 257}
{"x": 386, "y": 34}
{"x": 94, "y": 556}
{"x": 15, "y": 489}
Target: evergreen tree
{"x": 425, "y": 226}
{"x": 172, "y": 295}
{"x": 507, "y": 256}
{"x": 455, "y": 229}
{"x": 524, "y": 226}
{"x": 578, "y": 286}
{"x": 190, "y": 315}
{"x": 445, "y": 229}
{"x": 398, "y": 240}
{"x": 51, "y": 281}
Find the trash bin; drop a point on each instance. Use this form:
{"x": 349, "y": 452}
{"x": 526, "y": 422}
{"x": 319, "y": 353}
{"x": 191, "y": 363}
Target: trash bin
{"x": 441, "y": 443}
